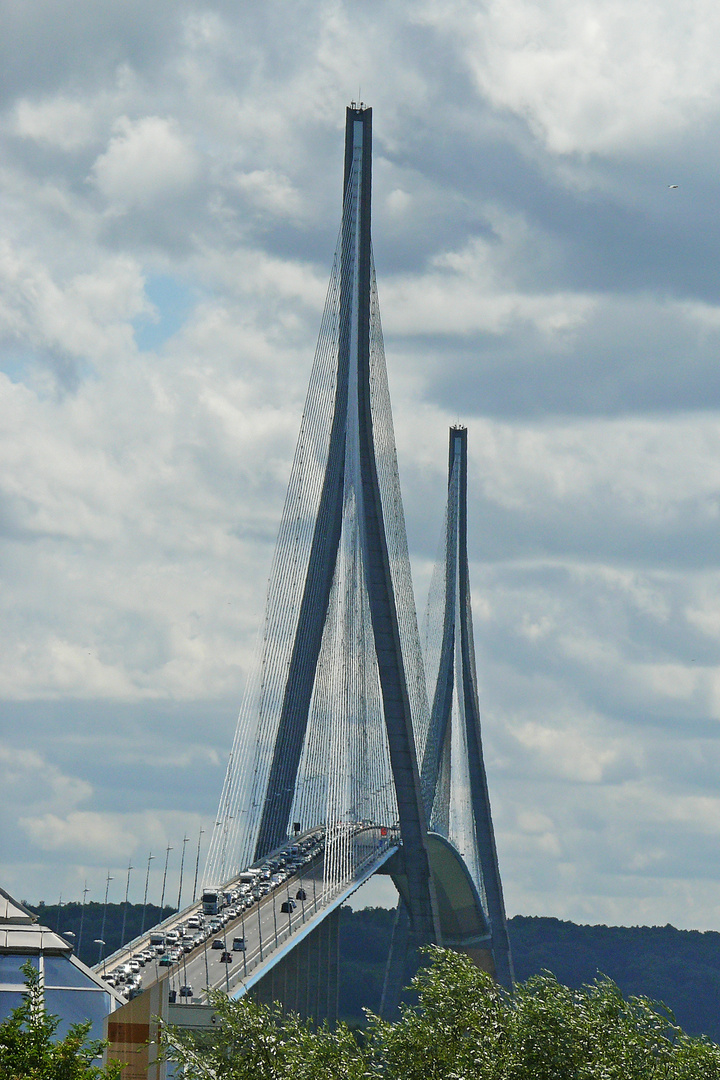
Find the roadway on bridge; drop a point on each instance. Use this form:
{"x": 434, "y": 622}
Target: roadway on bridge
{"x": 264, "y": 927}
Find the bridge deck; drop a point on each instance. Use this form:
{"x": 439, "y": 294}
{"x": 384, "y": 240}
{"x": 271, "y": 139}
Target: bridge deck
{"x": 268, "y": 932}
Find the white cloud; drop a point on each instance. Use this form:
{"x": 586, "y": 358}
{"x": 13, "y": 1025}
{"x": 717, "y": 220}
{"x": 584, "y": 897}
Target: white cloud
{"x": 62, "y": 122}
{"x": 146, "y": 160}
{"x": 399, "y": 202}
{"x": 85, "y": 317}
{"x": 89, "y": 832}
{"x": 476, "y": 289}
{"x": 602, "y": 77}
{"x": 270, "y": 191}
{"x": 29, "y": 779}
{"x": 93, "y": 843}
{"x": 567, "y": 310}
{"x": 436, "y": 304}
{"x": 565, "y": 752}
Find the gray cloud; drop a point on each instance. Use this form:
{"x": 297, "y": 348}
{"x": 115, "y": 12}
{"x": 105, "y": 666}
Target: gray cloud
{"x": 170, "y": 209}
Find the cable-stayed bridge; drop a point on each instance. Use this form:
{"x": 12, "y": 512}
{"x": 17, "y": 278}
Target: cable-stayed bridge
{"x": 346, "y": 733}
{"x": 326, "y": 733}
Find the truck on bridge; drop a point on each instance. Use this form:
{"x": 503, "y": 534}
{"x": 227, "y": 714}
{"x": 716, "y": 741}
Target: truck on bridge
{"x": 212, "y": 899}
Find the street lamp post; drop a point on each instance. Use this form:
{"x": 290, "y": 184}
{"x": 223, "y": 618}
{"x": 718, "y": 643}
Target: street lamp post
{"x": 302, "y": 893}
{"x": 227, "y": 968}
{"x": 244, "y": 943}
{"x": 127, "y": 890}
{"x": 259, "y": 929}
{"x": 197, "y": 865}
{"x": 182, "y": 864}
{"x": 82, "y": 918}
{"x": 102, "y": 929}
{"x": 147, "y": 879}
{"x": 101, "y": 943}
{"x": 168, "y": 849}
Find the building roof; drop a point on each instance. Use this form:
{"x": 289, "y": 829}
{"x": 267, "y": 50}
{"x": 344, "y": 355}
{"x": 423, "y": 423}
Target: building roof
{"x": 21, "y": 935}
{"x": 20, "y": 931}
{"x": 12, "y": 912}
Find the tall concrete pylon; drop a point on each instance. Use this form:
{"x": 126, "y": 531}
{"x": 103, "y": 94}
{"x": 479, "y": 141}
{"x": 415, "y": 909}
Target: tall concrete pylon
{"x": 328, "y": 735}
{"x": 453, "y": 772}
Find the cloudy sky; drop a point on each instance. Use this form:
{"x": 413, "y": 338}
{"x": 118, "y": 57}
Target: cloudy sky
{"x": 170, "y": 182}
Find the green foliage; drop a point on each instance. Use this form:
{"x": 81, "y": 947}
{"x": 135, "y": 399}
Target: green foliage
{"x": 257, "y": 1042}
{"x": 463, "y": 1027}
{"x": 466, "y": 1026}
{"x": 27, "y": 1049}
{"x": 681, "y": 967}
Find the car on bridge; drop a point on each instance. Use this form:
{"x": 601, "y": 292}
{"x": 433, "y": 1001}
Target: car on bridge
{"x": 226, "y": 958}
{"x": 186, "y": 991}
{"x": 288, "y": 906}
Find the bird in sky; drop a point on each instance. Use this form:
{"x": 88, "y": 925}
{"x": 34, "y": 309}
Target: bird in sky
{"x": 672, "y": 186}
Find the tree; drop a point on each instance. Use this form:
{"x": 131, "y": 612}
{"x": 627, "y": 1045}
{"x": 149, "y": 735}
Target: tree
{"x": 258, "y": 1042}
{"x": 29, "y": 1052}
{"x": 462, "y": 1026}
{"x": 466, "y": 1026}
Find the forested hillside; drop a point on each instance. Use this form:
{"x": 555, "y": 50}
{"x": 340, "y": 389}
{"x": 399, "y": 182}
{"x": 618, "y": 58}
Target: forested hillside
{"x": 678, "y": 967}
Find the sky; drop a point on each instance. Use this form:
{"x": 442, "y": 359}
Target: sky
{"x": 170, "y": 186}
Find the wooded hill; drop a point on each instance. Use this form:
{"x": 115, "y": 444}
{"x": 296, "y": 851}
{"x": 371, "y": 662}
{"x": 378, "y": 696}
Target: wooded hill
{"x": 681, "y": 968}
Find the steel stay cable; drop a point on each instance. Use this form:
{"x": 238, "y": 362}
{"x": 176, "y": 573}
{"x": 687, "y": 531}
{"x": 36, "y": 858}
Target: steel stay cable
{"x": 318, "y": 524}
{"x": 323, "y": 375}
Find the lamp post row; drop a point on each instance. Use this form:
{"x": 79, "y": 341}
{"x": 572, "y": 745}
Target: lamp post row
{"x": 100, "y": 941}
